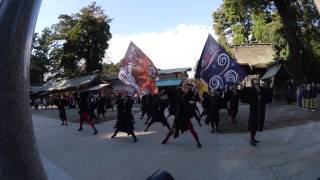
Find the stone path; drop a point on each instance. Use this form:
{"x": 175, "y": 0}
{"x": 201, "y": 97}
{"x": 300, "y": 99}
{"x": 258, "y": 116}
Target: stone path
{"x": 286, "y": 153}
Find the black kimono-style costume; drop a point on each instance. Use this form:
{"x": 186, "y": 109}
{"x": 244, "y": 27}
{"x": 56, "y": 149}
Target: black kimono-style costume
{"x": 205, "y": 104}
{"x": 194, "y": 108}
{"x": 233, "y": 105}
{"x": 149, "y": 101}
{"x": 174, "y": 97}
{"x": 257, "y": 100}
{"x": 100, "y": 106}
{"x": 84, "y": 112}
{"x": 124, "y": 122}
{"x": 143, "y": 106}
{"x": 182, "y": 121}
{"x": 160, "y": 103}
{"x": 61, "y": 103}
{"x": 213, "y": 116}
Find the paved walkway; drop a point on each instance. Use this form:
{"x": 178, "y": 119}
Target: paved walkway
{"x": 286, "y": 153}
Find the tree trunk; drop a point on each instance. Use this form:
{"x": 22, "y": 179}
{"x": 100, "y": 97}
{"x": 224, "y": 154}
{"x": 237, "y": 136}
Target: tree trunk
{"x": 19, "y": 157}
{"x": 298, "y": 57}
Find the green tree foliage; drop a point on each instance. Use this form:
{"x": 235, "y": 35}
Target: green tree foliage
{"x": 297, "y": 27}
{"x": 85, "y": 36}
{"x": 74, "y": 46}
{"x": 269, "y": 29}
{"x": 292, "y": 26}
{"x": 110, "y": 69}
{"x": 40, "y": 60}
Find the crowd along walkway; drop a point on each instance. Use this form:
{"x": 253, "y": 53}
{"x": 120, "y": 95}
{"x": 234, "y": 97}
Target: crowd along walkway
{"x": 286, "y": 153}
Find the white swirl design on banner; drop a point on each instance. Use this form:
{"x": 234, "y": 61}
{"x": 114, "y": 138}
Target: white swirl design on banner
{"x": 216, "y": 82}
{"x": 231, "y": 76}
{"x": 223, "y": 61}
{"x": 128, "y": 79}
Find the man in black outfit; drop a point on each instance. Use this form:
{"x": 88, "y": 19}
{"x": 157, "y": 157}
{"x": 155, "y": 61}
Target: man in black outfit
{"x": 257, "y": 97}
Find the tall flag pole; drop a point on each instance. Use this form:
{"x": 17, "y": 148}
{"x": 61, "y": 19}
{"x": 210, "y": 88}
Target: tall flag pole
{"x": 138, "y": 71}
{"x": 217, "y": 68}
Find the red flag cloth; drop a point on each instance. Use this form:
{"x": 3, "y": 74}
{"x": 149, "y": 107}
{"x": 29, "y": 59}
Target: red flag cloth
{"x": 138, "y": 71}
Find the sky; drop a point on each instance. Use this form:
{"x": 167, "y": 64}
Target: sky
{"x": 171, "y": 32}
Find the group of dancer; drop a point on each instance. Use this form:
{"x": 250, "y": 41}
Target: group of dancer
{"x": 182, "y": 104}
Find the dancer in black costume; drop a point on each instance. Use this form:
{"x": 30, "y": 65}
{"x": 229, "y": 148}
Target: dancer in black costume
{"x": 257, "y": 97}
{"x": 143, "y": 105}
{"x": 205, "y": 104}
{"x": 182, "y": 121}
{"x": 173, "y": 101}
{"x": 124, "y": 122}
{"x": 100, "y": 106}
{"x": 61, "y": 103}
{"x": 160, "y": 103}
{"x": 213, "y": 116}
{"x": 233, "y": 103}
{"x": 84, "y": 112}
{"x": 193, "y": 102}
{"x": 150, "y": 99}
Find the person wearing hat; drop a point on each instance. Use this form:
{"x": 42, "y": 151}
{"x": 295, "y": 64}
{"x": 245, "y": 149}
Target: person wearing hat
{"x": 84, "y": 112}
{"x": 159, "y": 104}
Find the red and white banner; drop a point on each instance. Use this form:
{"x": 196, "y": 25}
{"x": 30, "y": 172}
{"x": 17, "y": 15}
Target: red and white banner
{"x": 138, "y": 71}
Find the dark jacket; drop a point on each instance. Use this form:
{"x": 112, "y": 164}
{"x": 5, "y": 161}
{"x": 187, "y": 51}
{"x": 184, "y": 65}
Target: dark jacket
{"x": 124, "y": 122}
{"x": 234, "y": 103}
{"x": 183, "y": 114}
{"x": 213, "y": 110}
{"x": 257, "y": 101}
